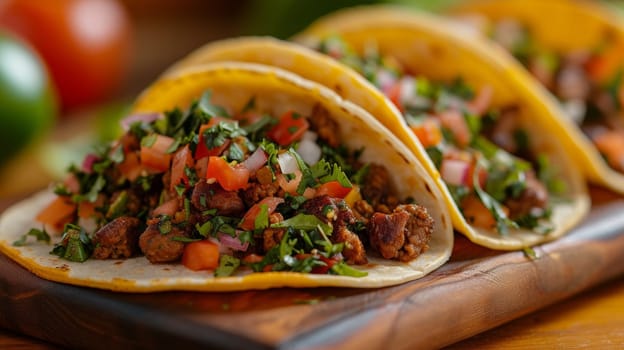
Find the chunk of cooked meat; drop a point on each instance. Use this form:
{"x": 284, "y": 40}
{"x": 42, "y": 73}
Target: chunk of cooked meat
{"x": 326, "y": 128}
{"x": 207, "y": 196}
{"x": 161, "y": 247}
{"x": 119, "y": 239}
{"x": 375, "y": 185}
{"x": 335, "y": 211}
{"x": 363, "y": 210}
{"x": 273, "y": 236}
{"x": 533, "y": 197}
{"x": 402, "y": 235}
{"x": 255, "y": 192}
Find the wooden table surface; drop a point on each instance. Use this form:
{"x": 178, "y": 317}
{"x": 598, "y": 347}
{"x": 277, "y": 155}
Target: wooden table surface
{"x": 593, "y": 319}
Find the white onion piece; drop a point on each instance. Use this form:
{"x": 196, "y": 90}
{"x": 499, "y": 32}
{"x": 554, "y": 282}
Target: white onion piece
{"x": 139, "y": 117}
{"x": 256, "y": 160}
{"x": 454, "y": 172}
{"x": 232, "y": 242}
{"x": 287, "y": 163}
{"x": 309, "y": 151}
{"x": 309, "y": 135}
{"x": 88, "y": 224}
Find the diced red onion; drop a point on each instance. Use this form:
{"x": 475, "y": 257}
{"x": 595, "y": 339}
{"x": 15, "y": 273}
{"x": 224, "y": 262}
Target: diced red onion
{"x": 385, "y": 80}
{"x": 287, "y": 163}
{"x": 88, "y": 161}
{"x": 222, "y": 249}
{"x": 167, "y": 208}
{"x": 256, "y": 160}
{"x": 309, "y": 151}
{"x": 454, "y": 172}
{"x": 139, "y": 117}
{"x": 232, "y": 242}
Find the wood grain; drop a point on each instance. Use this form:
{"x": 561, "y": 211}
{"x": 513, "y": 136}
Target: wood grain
{"x": 477, "y": 290}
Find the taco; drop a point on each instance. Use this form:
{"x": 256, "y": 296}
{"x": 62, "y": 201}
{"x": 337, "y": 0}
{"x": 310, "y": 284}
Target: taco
{"x": 578, "y": 55}
{"x": 417, "y": 61}
{"x": 250, "y": 172}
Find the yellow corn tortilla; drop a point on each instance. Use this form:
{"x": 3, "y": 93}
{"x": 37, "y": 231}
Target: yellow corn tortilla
{"x": 438, "y": 50}
{"x": 275, "y": 91}
{"x": 573, "y": 25}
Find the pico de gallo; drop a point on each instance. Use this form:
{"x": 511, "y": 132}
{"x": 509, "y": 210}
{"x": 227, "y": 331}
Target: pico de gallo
{"x": 588, "y": 83}
{"x": 483, "y": 155}
{"x": 227, "y": 190}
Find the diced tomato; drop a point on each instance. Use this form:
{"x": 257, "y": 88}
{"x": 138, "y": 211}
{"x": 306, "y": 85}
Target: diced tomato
{"x": 290, "y": 128}
{"x": 268, "y": 268}
{"x": 394, "y": 95}
{"x": 182, "y": 159}
{"x": 324, "y": 269}
{"x": 333, "y": 189}
{"x": 290, "y": 186}
{"x": 470, "y": 176}
{"x": 230, "y": 178}
{"x": 477, "y": 214}
{"x": 201, "y": 255}
{"x": 248, "y": 221}
{"x": 252, "y": 259}
{"x": 454, "y": 121}
{"x": 131, "y": 167}
{"x": 86, "y": 209}
{"x": 428, "y": 132}
{"x": 58, "y": 213}
{"x": 155, "y": 157}
{"x": 611, "y": 145}
{"x": 202, "y": 151}
{"x": 601, "y": 68}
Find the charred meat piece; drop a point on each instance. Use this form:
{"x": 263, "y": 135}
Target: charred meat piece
{"x": 336, "y": 212}
{"x": 375, "y": 184}
{"x": 502, "y": 132}
{"x": 211, "y": 196}
{"x": 402, "y": 235}
{"x": 119, "y": 239}
{"x": 363, "y": 210}
{"x": 160, "y": 247}
{"x": 533, "y": 197}
{"x": 326, "y": 128}
{"x": 273, "y": 236}
{"x": 257, "y": 191}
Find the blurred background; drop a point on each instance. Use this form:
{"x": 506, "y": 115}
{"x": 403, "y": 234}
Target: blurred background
{"x": 69, "y": 69}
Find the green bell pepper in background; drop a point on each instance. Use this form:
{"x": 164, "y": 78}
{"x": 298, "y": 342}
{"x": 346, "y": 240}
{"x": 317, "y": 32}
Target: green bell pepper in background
{"x": 27, "y": 99}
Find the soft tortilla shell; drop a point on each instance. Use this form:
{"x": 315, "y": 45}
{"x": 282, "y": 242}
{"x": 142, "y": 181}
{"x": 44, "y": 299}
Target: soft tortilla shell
{"x": 275, "y": 91}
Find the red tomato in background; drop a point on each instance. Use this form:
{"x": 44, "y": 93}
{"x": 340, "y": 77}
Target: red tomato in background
{"x": 84, "y": 43}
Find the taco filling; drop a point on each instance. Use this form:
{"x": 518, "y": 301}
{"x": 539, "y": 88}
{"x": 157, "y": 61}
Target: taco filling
{"x": 588, "y": 83}
{"x": 225, "y": 191}
{"x": 483, "y": 154}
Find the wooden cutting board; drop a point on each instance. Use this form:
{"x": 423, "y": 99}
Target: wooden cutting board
{"x": 477, "y": 290}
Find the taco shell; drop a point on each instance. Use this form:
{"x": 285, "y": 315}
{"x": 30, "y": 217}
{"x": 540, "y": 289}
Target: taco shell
{"x": 232, "y": 86}
{"x": 577, "y": 25}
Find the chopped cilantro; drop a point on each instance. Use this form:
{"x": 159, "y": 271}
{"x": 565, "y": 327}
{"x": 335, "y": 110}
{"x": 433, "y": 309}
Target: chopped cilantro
{"x": 342, "y": 269}
{"x": 304, "y": 222}
{"x": 40, "y": 235}
{"x": 227, "y": 265}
